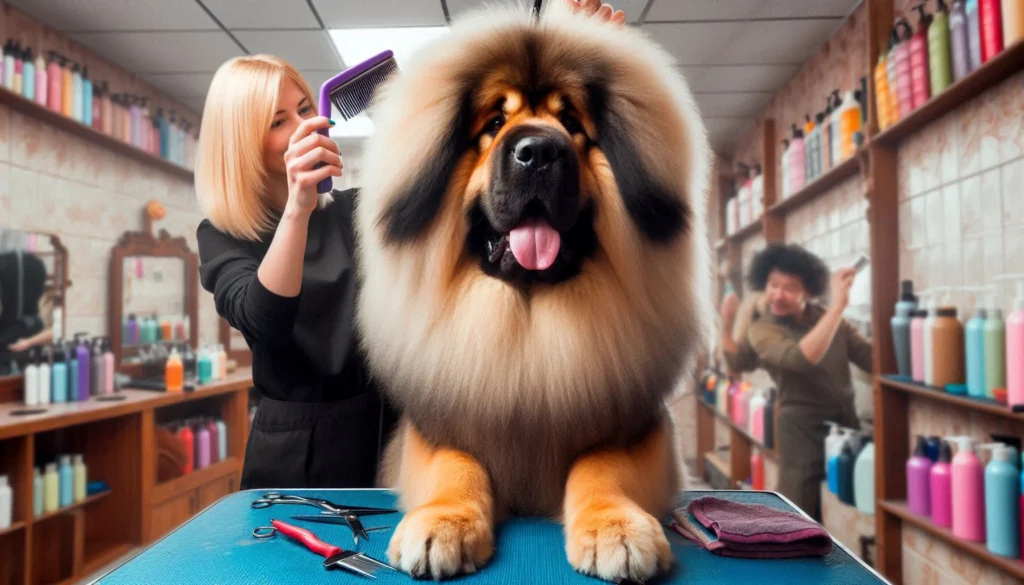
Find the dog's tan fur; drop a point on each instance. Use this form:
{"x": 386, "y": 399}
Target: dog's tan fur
{"x": 548, "y": 401}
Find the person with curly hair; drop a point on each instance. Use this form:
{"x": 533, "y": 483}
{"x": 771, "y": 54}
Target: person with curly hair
{"x": 807, "y": 349}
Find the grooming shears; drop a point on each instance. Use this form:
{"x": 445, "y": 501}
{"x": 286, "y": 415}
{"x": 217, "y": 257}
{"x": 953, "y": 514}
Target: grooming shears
{"x": 334, "y": 556}
{"x": 329, "y": 512}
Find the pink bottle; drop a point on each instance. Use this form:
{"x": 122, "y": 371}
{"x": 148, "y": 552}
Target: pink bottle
{"x": 742, "y": 406}
{"x": 42, "y": 87}
{"x": 797, "y": 170}
{"x": 968, "y": 492}
{"x": 757, "y": 404}
{"x": 1015, "y": 346}
{"x": 990, "y": 18}
{"x": 919, "y": 71}
{"x": 734, "y": 389}
{"x": 108, "y": 367}
{"x": 917, "y": 342}
{"x": 55, "y": 96}
{"x": 214, "y": 449}
{"x": 202, "y": 436}
{"x": 941, "y": 488}
{"x": 919, "y": 467}
{"x": 904, "y": 79}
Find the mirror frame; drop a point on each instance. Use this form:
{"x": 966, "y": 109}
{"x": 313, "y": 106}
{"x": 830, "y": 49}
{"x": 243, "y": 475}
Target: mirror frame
{"x": 145, "y": 244}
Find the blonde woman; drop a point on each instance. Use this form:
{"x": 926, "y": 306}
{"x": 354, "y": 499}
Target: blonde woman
{"x": 278, "y": 258}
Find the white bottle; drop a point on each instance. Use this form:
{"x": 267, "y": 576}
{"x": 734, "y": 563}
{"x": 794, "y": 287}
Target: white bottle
{"x": 32, "y": 380}
{"x": 833, "y": 442}
{"x": 211, "y": 352}
{"x": 929, "y": 321}
{"x": 757, "y": 194}
{"x": 43, "y": 384}
{"x": 58, "y": 322}
{"x": 784, "y": 170}
{"x": 834, "y": 122}
{"x": 6, "y": 503}
{"x": 81, "y": 479}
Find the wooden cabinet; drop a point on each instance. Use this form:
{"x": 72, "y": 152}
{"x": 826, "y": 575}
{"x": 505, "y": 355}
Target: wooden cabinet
{"x": 178, "y": 500}
{"x": 215, "y": 490}
{"x": 172, "y": 513}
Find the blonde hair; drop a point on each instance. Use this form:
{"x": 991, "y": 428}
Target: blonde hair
{"x": 230, "y": 175}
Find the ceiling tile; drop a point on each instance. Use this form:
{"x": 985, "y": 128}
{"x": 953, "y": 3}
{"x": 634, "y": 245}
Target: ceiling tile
{"x": 728, "y": 105}
{"x": 724, "y": 132}
{"x": 163, "y": 52}
{"x": 118, "y": 15}
{"x": 738, "y": 78}
{"x": 695, "y": 44}
{"x": 303, "y": 49}
{"x": 181, "y": 85}
{"x": 777, "y": 42}
{"x": 278, "y": 14}
{"x": 361, "y": 13}
{"x": 748, "y": 9}
{"x": 632, "y": 8}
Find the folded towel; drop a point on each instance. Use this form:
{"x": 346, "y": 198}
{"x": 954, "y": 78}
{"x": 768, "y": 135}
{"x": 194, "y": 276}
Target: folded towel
{"x": 750, "y": 531}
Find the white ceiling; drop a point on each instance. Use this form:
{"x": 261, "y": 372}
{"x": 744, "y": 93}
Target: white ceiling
{"x": 734, "y": 53}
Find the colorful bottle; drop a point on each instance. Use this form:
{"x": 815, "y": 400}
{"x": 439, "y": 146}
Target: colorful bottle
{"x": 9, "y": 68}
{"x": 108, "y": 367}
{"x": 940, "y": 69}
{"x": 54, "y": 79}
{"x": 844, "y": 468}
{"x": 929, "y": 322}
{"x": 188, "y": 443}
{"x": 833, "y": 442}
{"x": 947, "y": 346}
{"x": 991, "y": 20}
{"x": 864, "y": 480}
{"x": 51, "y": 488}
{"x": 934, "y": 444}
{"x": 1013, "y": 22}
{"x": 42, "y": 84}
{"x": 38, "y": 493}
{"x": 812, "y": 148}
{"x": 919, "y": 467}
{"x": 6, "y": 503}
{"x": 1002, "y": 495}
{"x": 67, "y": 481}
{"x": 882, "y": 98}
{"x": 81, "y": 478}
{"x": 941, "y": 482}
{"x": 45, "y": 375}
{"x": 202, "y": 446}
{"x": 97, "y": 368}
{"x": 67, "y": 105}
{"x": 83, "y": 356}
{"x": 76, "y": 92}
{"x": 994, "y": 346}
{"x": 211, "y": 427}
{"x": 975, "y": 351}
{"x": 968, "y": 492}
{"x": 919, "y": 68}
{"x": 1015, "y": 346}
{"x": 32, "y": 379}
{"x": 97, "y": 107}
{"x": 106, "y": 110}
{"x": 757, "y": 470}
{"x": 797, "y": 162}
{"x": 835, "y": 104}
{"x": 72, "y": 354}
{"x": 900, "y": 61}
{"x": 756, "y": 416}
{"x": 973, "y": 33}
{"x": 28, "y": 75}
{"x": 86, "y": 97}
{"x": 901, "y": 327}
{"x": 19, "y": 70}
{"x": 959, "y": 40}
{"x": 58, "y": 376}
{"x": 222, "y": 441}
{"x": 174, "y": 373}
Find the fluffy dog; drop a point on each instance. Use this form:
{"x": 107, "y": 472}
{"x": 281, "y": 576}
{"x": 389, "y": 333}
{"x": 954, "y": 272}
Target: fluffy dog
{"x": 535, "y": 275}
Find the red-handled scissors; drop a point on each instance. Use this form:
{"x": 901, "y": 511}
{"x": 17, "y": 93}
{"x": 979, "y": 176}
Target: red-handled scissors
{"x": 334, "y": 556}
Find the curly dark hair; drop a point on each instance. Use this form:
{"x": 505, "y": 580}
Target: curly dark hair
{"x": 790, "y": 259}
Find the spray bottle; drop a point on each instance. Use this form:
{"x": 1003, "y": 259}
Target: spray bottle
{"x": 919, "y": 70}
{"x": 938, "y": 50}
{"x": 941, "y": 483}
{"x": 1002, "y": 495}
{"x": 919, "y": 467}
{"x": 968, "y": 493}
{"x": 975, "y": 348}
{"x": 959, "y": 40}
{"x": 1015, "y": 347}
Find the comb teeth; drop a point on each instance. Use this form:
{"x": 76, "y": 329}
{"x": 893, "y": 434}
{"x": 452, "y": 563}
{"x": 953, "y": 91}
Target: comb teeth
{"x": 352, "y": 97}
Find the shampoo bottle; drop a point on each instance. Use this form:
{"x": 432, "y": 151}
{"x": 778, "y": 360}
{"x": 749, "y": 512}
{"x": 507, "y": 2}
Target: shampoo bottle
{"x": 174, "y": 372}
{"x": 959, "y": 40}
{"x": 188, "y": 444}
{"x": 757, "y": 470}
{"x": 38, "y": 493}
{"x": 202, "y": 446}
{"x": 28, "y": 75}
{"x": 797, "y": 169}
{"x": 968, "y": 493}
{"x": 72, "y": 355}
{"x": 45, "y": 375}
{"x": 19, "y": 70}
{"x": 975, "y": 351}
{"x": 32, "y": 379}
{"x": 882, "y": 98}
{"x": 86, "y": 97}
{"x": 42, "y": 85}
{"x": 84, "y": 371}
{"x": 76, "y": 92}
{"x": 67, "y": 481}
{"x": 222, "y": 440}
{"x": 6, "y": 503}
{"x": 990, "y": 18}
{"x": 934, "y": 446}
{"x": 919, "y": 70}
{"x": 9, "y": 68}
{"x": 51, "y": 489}
{"x": 901, "y": 327}
{"x": 919, "y": 467}
{"x": 1015, "y": 347}
{"x": 59, "y": 374}
{"x": 929, "y": 354}
{"x": 54, "y": 80}
{"x": 97, "y": 368}
{"x": 973, "y": 33}
{"x": 1013, "y": 21}
{"x": 940, "y": 480}
{"x": 917, "y": 353}
{"x": 844, "y": 468}
{"x": 222, "y": 361}
{"x": 1002, "y": 496}
{"x": 994, "y": 346}
{"x": 850, "y": 124}
{"x": 864, "y": 479}
{"x": 940, "y": 70}
{"x": 211, "y": 427}
{"x": 834, "y": 112}
{"x": 81, "y": 478}
{"x": 947, "y": 346}
{"x": 756, "y": 416}
{"x": 833, "y": 445}
{"x": 900, "y": 60}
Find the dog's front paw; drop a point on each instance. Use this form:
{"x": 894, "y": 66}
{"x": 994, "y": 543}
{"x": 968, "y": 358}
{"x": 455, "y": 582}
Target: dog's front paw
{"x": 617, "y": 543}
{"x": 440, "y": 541}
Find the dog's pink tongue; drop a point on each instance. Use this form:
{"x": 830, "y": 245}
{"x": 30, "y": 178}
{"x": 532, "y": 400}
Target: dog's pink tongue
{"x": 535, "y": 244}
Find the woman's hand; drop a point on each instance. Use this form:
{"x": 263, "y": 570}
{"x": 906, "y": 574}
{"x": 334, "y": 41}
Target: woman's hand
{"x": 20, "y": 345}
{"x": 306, "y": 151}
{"x": 604, "y": 11}
{"x": 842, "y": 281}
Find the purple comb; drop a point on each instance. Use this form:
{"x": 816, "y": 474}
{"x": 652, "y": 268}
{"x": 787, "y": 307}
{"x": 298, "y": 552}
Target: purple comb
{"x": 351, "y": 92}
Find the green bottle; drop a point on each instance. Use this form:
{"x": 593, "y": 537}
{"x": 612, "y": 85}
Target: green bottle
{"x": 938, "y": 50}
{"x": 994, "y": 335}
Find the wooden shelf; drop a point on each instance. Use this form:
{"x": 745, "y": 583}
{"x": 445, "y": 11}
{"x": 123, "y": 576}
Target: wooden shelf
{"x": 99, "y": 554}
{"x": 899, "y": 509}
{"x": 999, "y": 68}
{"x": 820, "y": 186}
{"x": 715, "y": 459}
{"x": 72, "y": 126}
{"x": 86, "y": 502}
{"x": 765, "y": 451}
{"x": 745, "y": 232}
{"x": 190, "y": 481}
{"x": 990, "y": 407}
{"x": 14, "y": 527}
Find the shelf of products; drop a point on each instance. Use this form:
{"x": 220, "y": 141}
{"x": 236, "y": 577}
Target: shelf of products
{"x": 81, "y": 504}
{"x": 72, "y": 126}
{"x": 990, "y": 407}
{"x": 768, "y": 453}
{"x": 997, "y": 69}
{"x": 820, "y": 186}
{"x": 899, "y": 509}
{"x": 746, "y": 231}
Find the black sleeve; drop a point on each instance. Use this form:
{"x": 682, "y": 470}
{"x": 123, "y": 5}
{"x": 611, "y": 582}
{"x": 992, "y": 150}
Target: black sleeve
{"x": 227, "y": 268}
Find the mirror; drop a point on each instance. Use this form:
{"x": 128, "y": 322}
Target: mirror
{"x": 33, "y": 286}
{"x": 153, "y": 288}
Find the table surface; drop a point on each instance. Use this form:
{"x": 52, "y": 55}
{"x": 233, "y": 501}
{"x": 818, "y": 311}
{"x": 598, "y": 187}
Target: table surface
{"x": 216, "y": 546}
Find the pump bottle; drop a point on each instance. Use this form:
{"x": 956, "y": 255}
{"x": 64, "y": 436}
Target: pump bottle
{"x": 994, "y": 346}
{"x": 864, "y": 479}
{"x": 919, "y": 68}
{"x": 940, "y": 481}
{"x": 959, "y": 40}
{"x": 1015, "y": 347}
{"x": 900, "y": 60}
{"x": 901, "y": 327}
{"x": 974, "y": 333}
{"x": 940, "y": 70}
{"x": 947, "y": 346}
{"x": 1002, "y": 495}
{"x": 919, "y": 467}
{"x": 32, "y": 379}
{"x": 968, "y": 492}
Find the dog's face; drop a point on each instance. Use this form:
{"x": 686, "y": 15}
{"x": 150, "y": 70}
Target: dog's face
{"x": 533, "y": 215}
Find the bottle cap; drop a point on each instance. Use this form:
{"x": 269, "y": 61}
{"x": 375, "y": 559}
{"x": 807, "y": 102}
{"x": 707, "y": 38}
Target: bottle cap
{"x": 65, "y": 460}
{"x": 51, "y": 468}
{"x": 921, "y": 449}
{"x": 945, "y": 452}
{"x": 77, "y": 459}
{"x": 3, "y": 480}
{"x": 1000, "y": 451}
{"x": 963, "y": 443}
{"x": 907, "y": 291}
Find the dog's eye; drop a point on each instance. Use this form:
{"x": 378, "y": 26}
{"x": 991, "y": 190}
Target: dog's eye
{"x": 572, "y": 125}
{"x": 494, "y": 125}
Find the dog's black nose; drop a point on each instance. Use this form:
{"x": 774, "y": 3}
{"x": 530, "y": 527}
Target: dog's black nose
{"x": 537, "y": 152}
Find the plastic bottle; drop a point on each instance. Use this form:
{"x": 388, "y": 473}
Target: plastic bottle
{"x": 222, "y": 440}
{"x": 188, "y": 443}
{"x": 59, "y": 375}
{"x": 797, "y": 169}
{"x": 918, "y": 469}
{"x": 97, "y": 368}
{"x": 940, "y": 481}
{"x": 959, "y": 40}
{"x": 757, "y": 470}
{"x": 835, "y": 104}
{"x": 968, "y": 492}
{"x": 54, "y": 80}
{"x": 72, "y": 371}
{"x": 991, "y": 21}
{"x": 6, "y": 503}
{"x": 812, "y": 151}
{"x": 174, "y": 372}
{"x": 1002, "y": 496}
{"x": 917, "y": 349}
{"x": 850, "y": 124}
{"x": 108, "y": 367}
{"x": 974, "y": 346}
{"x": 76, "y": 92}
{"x": 934, "y": 444}
{"x": 947, "y": 346}
{"x": 202, "y": 446}
{"x": 84, "y": 368}
{"x": 844, "y": 472}
{"x": 940, "y": 69}
{"x": 38, "y": 493}
{"x": 973, "y": 33}
{"x": 45, "y": 377}
{"x": 42, "y": 85}
{"x": 994, "y": 346}
{"x": 1013, "y": 22}
{"x": 9, "y": 65}
{"x": 28, "y": 75}
{"x": 51, "y": 488}
{"x": 67, "y": 481}
{"x": 86, "y": 97}
{"x": 32, "y": 379}
{"x": 756, "y": 417}
{"x": 919, "y": 68}
{"x": 214, "y": 451}
{"x": 1015, "y": 346}
{"x": 901, "y": 62}
{"x": 833, "y": 443}
{"x": 81, "y": 478}
{"x": 19, "y": 70}
{"x": 901, "y": 327}
{"x": 882, "y": 98}
{"x": 864, "y": 480}
{"x": 756, "y": 210}
{"x": 205, "y": 367}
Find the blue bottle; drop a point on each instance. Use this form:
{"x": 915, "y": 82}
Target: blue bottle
{"x": 974, "y": 347}
{"x": 86, "y": 97}
{"x": 28, "y": 75}
{"x": 844, "y": 475}
{"x": 901, "y": 327}
{"x": 67, "y": 481}
{"x": 833, "y": 474}
{"x": 1002, "y": 501}
{"x": 165, "y": 133}
{"x": 59, "y": 375}
{"x": 933, "y": 445}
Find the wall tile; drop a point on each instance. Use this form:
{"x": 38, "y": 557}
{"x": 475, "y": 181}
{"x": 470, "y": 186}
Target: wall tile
{"x": 934, "y": 225}
{"x": 951, "y": 212}
{"x": 918, "y": 223}
{"x": 974, "y": 271}
{"x": 970, "y": 206}
{"x": 992, "y": 248}
{"x": 1013, "y": 246}
{"x": 991, "y": 200}
{"x": 1012, "y": 182}
{"x": 1011, "y": 119}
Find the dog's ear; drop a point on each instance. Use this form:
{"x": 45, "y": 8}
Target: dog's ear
{"x": 657, "y": 210}
{"x": 418, "y": 201}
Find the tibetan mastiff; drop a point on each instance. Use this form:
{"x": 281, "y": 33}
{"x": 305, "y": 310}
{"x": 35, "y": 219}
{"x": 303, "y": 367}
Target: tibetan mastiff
{"x": 534, "y": 281}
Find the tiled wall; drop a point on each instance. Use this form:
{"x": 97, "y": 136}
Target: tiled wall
{"x": 928, "y": 561}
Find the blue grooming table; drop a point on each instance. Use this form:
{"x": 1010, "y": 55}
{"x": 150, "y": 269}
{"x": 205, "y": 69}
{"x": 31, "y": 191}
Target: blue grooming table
{"x": 217, "y": 546}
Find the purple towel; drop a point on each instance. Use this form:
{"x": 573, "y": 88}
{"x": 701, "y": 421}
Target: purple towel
{"x": 750, "y": 531}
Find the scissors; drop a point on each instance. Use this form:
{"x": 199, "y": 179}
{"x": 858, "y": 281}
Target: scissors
{"x": 334, "y": 556}
{"x": 350, "y": 520}
{"x": 273, "y": 498}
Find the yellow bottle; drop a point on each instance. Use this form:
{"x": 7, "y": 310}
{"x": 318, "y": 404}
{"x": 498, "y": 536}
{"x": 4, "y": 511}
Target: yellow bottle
{"x": 882, "y": 99}
{"x": 174, "y": 374}
{"x": 67, "y": 90}
{"x": 849, "y": 123}
{"x": 1013, "y": 21}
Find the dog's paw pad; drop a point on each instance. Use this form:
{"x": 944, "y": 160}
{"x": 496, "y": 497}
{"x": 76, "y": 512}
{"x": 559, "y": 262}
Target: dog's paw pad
{"x": 441, "y": 541}
{"x": 617, "y": 543}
